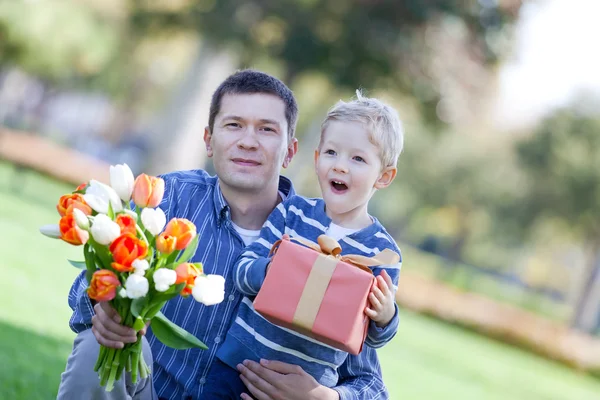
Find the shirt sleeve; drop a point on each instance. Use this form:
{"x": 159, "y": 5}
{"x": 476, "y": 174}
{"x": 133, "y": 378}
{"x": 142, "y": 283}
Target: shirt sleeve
{"x": 360, "y": 377}
{"x": 379, "y": 336}
{"x": 251, "y": 267}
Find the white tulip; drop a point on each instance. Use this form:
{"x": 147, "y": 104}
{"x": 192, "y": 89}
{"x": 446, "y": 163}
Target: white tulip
{"x": 52, "y": 231}
{"x": 105, "y": 230}
{"x": 209, "y": 289}
{"x": 154, "y": 219}
{"x": 136, "y": 286}
{"x": 163, "y": 279}
{"x": 131, "y": 213}
{"x": 121, "y": 180}
{"x": 98, "y": 195}
{"x": 123, "y": 293}
{"x": 140, "y": 266}
{"x": 81, "y": 219}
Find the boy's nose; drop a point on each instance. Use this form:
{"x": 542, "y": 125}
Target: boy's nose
{"x": 340, "y": 167}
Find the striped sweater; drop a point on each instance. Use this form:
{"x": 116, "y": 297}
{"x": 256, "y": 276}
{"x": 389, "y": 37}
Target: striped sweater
{"x": 253, "y": 337}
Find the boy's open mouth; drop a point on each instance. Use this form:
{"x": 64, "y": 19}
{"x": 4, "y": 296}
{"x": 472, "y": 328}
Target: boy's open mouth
{"x": 338, "y": 187}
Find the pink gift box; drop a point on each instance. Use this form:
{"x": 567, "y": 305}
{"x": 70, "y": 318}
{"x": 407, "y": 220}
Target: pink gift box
{"x": 317, "y": 295}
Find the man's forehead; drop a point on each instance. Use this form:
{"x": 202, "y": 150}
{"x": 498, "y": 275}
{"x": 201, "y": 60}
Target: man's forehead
{"x": 260, "y": 106}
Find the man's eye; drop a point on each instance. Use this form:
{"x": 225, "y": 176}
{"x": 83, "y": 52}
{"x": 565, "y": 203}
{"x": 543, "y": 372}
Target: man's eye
{"x": 266, "y": 128}
{"x": 232, "y": 125}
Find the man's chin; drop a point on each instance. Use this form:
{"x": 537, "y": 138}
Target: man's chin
{"x": 245, "y": 182}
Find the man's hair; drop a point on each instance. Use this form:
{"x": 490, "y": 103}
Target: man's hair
{"x": 251, "y": 82}
{"x": 381, "y": 121}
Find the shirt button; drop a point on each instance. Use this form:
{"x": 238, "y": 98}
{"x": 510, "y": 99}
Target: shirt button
{"x": 231, "y": 297}
{"x": 218, "y": 339}
{"x": 202, "y": 380}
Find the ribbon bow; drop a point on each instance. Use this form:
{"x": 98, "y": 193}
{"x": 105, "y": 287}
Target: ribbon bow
{"x": 331, "y": 248}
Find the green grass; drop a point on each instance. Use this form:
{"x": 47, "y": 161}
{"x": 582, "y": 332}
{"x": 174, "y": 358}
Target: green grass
{"x": 428, "y": 359}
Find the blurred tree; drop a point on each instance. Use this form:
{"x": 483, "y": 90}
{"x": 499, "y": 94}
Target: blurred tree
{"x": 355, "y": 43}
{"x": 562, "y": 166}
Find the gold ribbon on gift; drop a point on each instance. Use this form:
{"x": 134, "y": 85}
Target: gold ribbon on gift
{"x": 322, "y": 271}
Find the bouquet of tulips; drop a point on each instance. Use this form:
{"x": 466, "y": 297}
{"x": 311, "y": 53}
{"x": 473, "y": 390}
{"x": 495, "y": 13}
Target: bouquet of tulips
{"x": 134, "y": 261}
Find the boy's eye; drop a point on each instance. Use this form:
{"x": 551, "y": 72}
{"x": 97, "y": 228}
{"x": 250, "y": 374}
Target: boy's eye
{"x": 359, "y": 159}
{"x": 330, "y": 152}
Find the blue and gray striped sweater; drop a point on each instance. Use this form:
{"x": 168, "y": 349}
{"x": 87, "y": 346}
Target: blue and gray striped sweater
{"x": 253, "y": 337}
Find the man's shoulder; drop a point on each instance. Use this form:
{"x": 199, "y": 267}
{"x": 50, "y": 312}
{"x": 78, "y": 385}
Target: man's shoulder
{"x": 197, "y": 177}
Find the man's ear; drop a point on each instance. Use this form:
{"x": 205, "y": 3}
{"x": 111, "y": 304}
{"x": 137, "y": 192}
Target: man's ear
{"x": 207, "y": 138}
{"x": 386, "y": 177}
{"x": 292, "y": 149}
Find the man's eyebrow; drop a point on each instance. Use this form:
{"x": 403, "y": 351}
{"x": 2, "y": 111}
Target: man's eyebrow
{"x": 262, "y": 120}
{"x": 269, "y": 121}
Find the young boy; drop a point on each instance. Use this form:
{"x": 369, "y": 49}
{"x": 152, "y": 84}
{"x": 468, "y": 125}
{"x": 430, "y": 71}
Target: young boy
{"x": 360, "y": 144}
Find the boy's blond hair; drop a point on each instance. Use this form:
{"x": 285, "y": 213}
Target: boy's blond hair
{"x": 381, "y": 120}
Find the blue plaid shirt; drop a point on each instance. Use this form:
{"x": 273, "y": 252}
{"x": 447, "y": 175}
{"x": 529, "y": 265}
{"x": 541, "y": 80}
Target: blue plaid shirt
{"x": 180, "y": 374}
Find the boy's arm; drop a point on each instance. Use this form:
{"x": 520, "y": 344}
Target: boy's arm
{"x": 251, "y": 267}
{"x": 379, "y": 336}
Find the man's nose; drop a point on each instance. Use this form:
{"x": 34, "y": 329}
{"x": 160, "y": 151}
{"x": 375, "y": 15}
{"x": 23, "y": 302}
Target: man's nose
{"x": 249, "y": 139}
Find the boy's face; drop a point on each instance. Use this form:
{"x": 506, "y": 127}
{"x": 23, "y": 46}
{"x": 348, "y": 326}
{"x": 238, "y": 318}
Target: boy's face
{"x": 249, "y": 141}
{"x": 349, "y": 169}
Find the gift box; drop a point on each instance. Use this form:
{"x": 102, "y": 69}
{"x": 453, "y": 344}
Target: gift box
{"x": 312, "y": 290}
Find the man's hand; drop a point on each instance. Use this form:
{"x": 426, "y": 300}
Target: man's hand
{"x": 275, "y": 380}
{"x": 107, "y": 328}
{"x": 381, "y": 299}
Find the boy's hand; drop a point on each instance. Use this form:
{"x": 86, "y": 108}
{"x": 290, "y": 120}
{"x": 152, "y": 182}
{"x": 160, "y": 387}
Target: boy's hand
{"x": 381, "y": 299}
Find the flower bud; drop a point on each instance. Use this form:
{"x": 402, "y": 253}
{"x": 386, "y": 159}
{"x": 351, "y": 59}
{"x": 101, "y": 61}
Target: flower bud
{"x": 163, "y": 279}
{"x": 209, "y": 289}
{"x": 148, "y": 191}
{"x": 121, "y": 180}
{"x": 81, "y": 219}
{"x": 154, "y": 220}
{"x": 136, "y": 286}
{"x": 104, "y": 230}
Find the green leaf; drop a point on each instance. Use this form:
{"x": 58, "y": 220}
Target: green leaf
{"x": 90, "y": 263}
{"x": 172, "y": 335}
{"x": 139, "y": 324}
{"x": 137, "y": 305}
{"x": 111, "y": 212}
{"x": 190, "y": 250}
{"x": 78, "y": 264}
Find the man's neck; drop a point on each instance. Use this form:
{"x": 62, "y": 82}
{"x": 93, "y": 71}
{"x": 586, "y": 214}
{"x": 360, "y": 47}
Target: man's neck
{"x": 250, "y": 210}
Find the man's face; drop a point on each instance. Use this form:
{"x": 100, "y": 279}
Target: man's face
{"x": 249, "y": 141}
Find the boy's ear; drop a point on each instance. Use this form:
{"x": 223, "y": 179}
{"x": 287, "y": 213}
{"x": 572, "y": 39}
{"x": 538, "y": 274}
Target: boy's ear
{"x": 386, "y": 177}
{"x": 207, "y": 137}
{"x": 316, "y": 156}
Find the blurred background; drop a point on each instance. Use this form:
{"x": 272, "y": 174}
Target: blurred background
{"x": 497, "y": 202}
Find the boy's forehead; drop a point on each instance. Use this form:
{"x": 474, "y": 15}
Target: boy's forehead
{"x": 252, "y": 106}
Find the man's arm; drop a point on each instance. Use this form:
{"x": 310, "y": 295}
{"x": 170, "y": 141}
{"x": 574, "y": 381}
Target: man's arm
{"x": 360, "y": 379}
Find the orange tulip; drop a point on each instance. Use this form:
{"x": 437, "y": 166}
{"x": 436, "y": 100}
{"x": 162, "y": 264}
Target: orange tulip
{"x": 125, "y": 250}
{"x": 183, "y": 230}
{"x": 127, "y": 223}
{"x": 67, "y": 202}
{"x": 148, "y": 191}
{"x": 103, "y": 286}
{"x": 81, "y": 187}
{"x": 70, "y": 232}
{"x": 187, "y": 273}
{"x": 166, "y": 244}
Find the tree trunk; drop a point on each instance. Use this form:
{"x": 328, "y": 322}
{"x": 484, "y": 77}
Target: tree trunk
{"x": 587, "y": 307}
{"x": 178, "y": 140}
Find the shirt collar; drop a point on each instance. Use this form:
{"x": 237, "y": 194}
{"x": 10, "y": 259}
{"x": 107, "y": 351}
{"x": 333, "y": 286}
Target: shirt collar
{"x": 222, "y": 208}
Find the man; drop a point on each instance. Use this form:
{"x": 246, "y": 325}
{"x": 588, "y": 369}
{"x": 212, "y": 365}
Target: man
{"x": 250, "y": 136}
